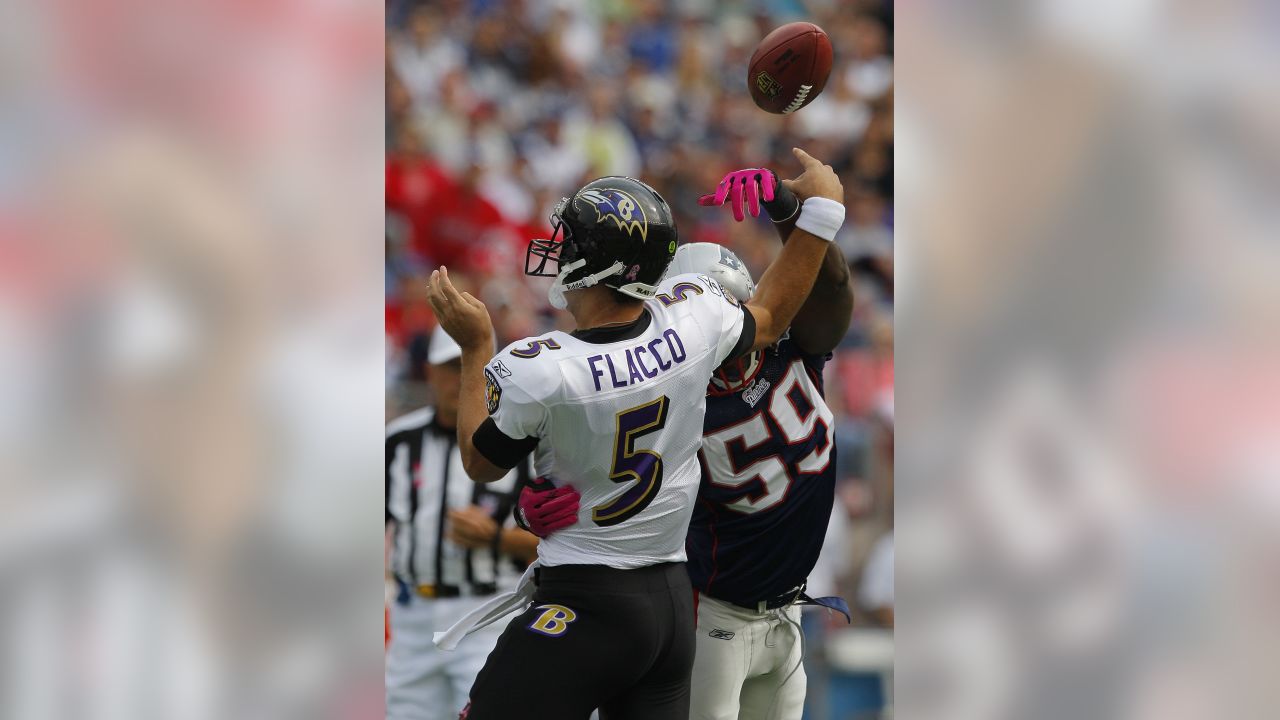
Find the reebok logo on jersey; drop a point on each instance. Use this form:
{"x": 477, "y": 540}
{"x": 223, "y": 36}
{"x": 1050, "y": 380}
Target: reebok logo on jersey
{"x": 501, "y": 369}
{"x": 719, "y": 634}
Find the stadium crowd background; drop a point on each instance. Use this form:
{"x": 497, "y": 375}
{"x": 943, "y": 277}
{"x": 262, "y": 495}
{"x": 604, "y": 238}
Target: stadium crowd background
{"x": 498, "y": 108}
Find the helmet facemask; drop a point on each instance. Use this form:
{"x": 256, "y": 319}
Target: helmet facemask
{"x": 736, "y": 374}
{"x": 564, "y": 252}
{"x": 558, "y": 249}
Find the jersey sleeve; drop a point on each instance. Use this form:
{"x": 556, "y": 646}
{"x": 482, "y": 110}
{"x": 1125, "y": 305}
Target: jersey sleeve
{"x": 510, "y": 397}
{"x": 517, "y": 416}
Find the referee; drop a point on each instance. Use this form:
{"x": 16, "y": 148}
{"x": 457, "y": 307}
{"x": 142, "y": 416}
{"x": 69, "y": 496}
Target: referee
{"x": 452, "y": 545}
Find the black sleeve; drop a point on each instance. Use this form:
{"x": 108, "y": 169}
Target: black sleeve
{"x": 499, "y": 449}
{"x": 747, "y": 338}
{"x": 784, "y": 207}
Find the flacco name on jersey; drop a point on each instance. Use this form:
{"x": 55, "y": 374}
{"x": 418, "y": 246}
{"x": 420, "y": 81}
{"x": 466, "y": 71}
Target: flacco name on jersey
{"x": 645, "y": 361}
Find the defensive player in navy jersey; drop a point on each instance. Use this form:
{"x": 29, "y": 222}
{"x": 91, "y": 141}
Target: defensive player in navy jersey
{"x": 768, "y": 480}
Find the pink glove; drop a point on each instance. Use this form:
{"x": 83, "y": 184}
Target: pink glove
{"x": 544, "y": 509}
{"x": 743, "y": 183}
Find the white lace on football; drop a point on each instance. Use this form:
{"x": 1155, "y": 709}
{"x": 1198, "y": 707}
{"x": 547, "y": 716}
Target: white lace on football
{"x": 799, "y": 100}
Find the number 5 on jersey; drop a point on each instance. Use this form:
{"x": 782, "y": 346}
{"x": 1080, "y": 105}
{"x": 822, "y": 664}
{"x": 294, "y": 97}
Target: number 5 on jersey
{"x": 644, "y": 467}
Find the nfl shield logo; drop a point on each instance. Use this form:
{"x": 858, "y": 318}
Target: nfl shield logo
{"x": 767, "y": 84}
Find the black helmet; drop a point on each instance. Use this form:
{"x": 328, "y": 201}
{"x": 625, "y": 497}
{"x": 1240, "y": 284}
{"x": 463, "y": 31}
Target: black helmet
{"x": 615, "y": 230}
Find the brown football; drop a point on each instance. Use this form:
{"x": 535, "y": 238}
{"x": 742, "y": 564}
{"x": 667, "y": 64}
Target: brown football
{"x": 789, "y": 67}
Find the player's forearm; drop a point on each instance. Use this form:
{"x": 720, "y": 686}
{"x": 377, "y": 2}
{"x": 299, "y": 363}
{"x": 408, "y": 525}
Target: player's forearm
{"x": 518, "y": 543}
{"x": 472, "y": 413}
{"x": 785, "y": 227}
{"x": 824, "y": 317}
{"x": 785, "y": 285}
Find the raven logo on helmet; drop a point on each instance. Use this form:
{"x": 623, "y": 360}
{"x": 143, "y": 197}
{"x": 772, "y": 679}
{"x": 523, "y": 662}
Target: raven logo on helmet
{"x": 618, "y": 206}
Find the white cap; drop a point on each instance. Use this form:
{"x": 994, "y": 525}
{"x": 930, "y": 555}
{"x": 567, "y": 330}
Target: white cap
{"x": 442, "y": 349}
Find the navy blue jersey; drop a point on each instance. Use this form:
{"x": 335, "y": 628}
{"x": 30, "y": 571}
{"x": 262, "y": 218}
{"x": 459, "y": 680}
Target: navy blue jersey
{"x": 768, "y": 481}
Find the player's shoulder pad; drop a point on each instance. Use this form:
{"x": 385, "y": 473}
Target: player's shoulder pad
{"x": 416, "y": 420}
{"x": 692, "y": 286}
{"x": 526, "y": 368}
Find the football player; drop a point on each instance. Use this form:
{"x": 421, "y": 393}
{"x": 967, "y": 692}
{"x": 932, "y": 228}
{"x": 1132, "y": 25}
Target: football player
{"x": 615, "y": 409}
{"x": 768, "y": 481}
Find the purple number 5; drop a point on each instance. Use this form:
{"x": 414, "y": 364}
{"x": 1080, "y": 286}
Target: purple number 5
{"x": 644, "y": 467}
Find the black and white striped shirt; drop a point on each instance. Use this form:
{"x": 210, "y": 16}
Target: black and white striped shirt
{"x": 425, "y": 479}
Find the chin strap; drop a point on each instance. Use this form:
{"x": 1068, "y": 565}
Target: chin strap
{"x": 556, "y": 293}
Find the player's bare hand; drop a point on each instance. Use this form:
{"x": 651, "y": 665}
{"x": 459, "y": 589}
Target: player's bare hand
{"x": 462, "y": 316}
{"x": 817, "y": 180}
{"x": 472, "y": 527}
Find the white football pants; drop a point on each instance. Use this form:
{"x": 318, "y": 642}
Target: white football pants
{"x": 423, "y": 681}
{"x": 748, "y": 664}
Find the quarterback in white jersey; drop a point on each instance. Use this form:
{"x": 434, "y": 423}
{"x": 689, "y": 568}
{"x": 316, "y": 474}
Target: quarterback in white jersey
{"x": 619, "y": 416}
{"x": 616, "y": 409}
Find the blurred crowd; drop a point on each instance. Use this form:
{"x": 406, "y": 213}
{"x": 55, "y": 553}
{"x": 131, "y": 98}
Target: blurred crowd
{"x": 498, "y": 108}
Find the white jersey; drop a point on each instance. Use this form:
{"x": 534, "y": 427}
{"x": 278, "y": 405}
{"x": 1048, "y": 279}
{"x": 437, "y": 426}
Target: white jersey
{"x": 618, "y": 415}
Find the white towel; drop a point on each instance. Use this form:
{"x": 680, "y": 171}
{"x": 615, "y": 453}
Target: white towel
{"x": 498, "y": 607}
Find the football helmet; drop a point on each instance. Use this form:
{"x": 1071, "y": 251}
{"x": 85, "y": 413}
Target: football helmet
{"x": 720, "y": 264}
{"x": 614, "y": 230}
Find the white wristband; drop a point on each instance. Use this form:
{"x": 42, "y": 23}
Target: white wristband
{"x": 821, "y": 217}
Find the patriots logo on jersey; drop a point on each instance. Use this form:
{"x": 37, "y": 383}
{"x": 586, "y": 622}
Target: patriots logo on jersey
{"x": 619, "y": 207}
{"x": 755, "y": 391}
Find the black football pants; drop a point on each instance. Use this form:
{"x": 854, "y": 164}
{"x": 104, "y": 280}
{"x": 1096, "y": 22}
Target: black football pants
{"x": 595, "y": 637}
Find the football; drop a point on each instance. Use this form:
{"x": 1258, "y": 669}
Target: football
{"x": 789, "y": 67}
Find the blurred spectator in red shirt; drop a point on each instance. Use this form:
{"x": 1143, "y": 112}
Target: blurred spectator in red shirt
{"x": 459, "y": 229}
{"x": 416, "y": 190}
